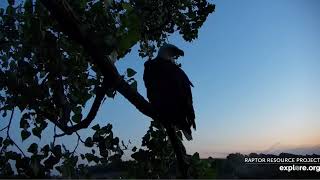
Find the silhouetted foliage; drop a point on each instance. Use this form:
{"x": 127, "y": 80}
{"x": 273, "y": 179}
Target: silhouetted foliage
{"x": 49, "y": 71}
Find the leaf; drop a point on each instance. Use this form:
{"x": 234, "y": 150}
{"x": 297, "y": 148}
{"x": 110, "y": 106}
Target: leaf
{"x": 196, "y": 156}
{"x": 77, "y": 110}
{"x": 4, "y": 114}
{"x": 130, "y": 32}
{"x": 11, "y": 2}
{"x": 12, "y": 155}
{"x": 28, "y": 7}
{"x": 77, "y": 118}
{"x": 43, "y": 125}
{"x": 46, "y": 149}
{"x": 51, "y": 161}
{"x": 57, "y": 151}
{"x": 91, "y": 157}
{"x": 131, "y": 72}
{"x": 33, "y": 148}
{"x": 88, "y": 142}
{"x": 25, "y": 134}
{"x": 37, "y": 132}
{"x": 24, "y": 124}
{"x": 134, "y": 85}
{"x": 106, "y": 129}
{"x": 7, "y": 142}
{"x": 96, "y": 127}
{"x": 127, "y": 6}
{"x": 1, "y": 12}
{"x": 39, "y": 127}
{"x": 82, "y": 156}
{"x": 134, "y": 149}
{"x": 115, "y": 141}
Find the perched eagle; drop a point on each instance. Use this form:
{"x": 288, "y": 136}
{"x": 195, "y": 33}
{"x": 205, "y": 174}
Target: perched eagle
{"x": 169, "y": 90}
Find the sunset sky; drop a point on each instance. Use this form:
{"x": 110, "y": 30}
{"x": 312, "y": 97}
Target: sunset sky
{"x": 256, "y": 72}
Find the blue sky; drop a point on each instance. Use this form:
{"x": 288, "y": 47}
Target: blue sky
{"x": 256, "y": 71}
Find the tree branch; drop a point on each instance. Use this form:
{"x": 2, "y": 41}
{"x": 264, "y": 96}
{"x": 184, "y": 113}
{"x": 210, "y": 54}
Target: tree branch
{"x": 97, "y": 49}
{"x": 75, "y": 148}
{"x": 55, "y": 133}
{"x": 80, "y": 32}
{"x": 4, "y": 128}
{"x": 68, "y": 130}
{"x": 8, "y": 135}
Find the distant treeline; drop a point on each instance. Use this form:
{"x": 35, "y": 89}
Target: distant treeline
{"x": 232, "y": 167}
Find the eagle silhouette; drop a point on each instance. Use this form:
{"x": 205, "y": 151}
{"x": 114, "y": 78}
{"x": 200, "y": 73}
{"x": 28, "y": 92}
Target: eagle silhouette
{"x": 169, "y": 90}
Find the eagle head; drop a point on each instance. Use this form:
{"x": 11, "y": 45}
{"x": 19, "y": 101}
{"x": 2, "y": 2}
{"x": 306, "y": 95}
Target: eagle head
{"x": 170, "y": 52}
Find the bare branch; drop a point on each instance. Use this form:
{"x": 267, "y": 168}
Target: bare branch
{"x": 59, "y": 135}
{"x": 68, "y": 130}
{"x": 80, "y": 137}
{"x": 3, "y": 128}
{"x": 11, "y": 117}
{"x": 55, "y": 134}
{"x": 8, "y": 134}
{"x": 18, "y": 148}
{"x": 74, "y": 150}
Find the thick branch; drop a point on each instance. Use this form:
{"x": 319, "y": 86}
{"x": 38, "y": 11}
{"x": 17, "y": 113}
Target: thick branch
{"x": 85, "y": 122}
{"x": 79, "y": 32}
{"x": 136, "y": 99}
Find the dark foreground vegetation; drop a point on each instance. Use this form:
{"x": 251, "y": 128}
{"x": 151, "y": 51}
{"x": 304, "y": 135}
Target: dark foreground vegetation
{"x": 232, "y": 167}
{"x": 59, "y": 55}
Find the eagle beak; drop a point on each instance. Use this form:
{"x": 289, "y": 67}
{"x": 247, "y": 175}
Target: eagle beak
{"x": 177, "y": 53}
{"x": 180, "y": 52}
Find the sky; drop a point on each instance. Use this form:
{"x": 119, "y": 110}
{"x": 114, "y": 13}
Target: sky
{"x": 255, "y": 69}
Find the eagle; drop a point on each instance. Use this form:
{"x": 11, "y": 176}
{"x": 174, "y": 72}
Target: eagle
{"x": 169, "y": 90}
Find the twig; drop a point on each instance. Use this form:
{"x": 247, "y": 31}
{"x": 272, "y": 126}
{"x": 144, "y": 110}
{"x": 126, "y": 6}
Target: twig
{"x": 59, "y": 135}
{"x": 55, "y": 134}
{"x": 18, "y": 148}
{"x": 8, "y": 134}
{"x": 74, "y": 150}
{"x": 79, "y": 137}
{"x": 4, "y": 128}
{"x": 10, "y": 122}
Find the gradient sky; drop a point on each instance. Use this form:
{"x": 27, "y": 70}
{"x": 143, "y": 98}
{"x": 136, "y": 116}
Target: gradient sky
{"x": 256, "y": 71}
